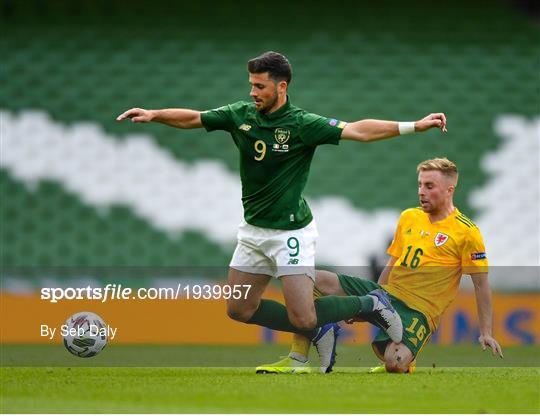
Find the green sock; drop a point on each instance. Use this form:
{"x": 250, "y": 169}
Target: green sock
{"x": 273, "y": 315}
{"x": 338, "y": 308}
{"x": 366, "y": 306}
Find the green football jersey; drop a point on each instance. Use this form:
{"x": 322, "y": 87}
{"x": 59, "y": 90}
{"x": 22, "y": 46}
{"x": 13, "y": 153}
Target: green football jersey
{"x": 275, "y": 156}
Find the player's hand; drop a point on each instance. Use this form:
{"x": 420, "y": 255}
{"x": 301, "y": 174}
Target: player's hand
{"x": 433, "y": 120}
{"x": 488, "y": 341}
{"x": 137, "y": 115}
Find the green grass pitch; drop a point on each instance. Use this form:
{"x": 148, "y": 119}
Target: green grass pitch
{"x": 449, "y": 380}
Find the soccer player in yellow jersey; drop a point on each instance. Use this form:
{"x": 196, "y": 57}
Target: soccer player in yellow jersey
{"x": 433, "y": 246}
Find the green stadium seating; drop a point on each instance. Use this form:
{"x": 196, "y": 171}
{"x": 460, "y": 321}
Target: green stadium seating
{"x": 87, "y": 61}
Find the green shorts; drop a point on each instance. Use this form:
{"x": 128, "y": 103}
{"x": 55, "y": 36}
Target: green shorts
{"x": 416, "y": 331}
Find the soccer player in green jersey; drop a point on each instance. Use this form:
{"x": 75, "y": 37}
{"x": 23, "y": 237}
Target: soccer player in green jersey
{"x": 276, "y": 141}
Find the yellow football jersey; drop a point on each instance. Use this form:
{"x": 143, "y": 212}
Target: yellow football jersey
{"x": 431, "y": 257}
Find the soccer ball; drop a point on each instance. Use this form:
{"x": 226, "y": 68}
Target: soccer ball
{"x": 85, "y": 334}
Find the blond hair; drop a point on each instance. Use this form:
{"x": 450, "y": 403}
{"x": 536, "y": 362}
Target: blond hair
{"x": 441, "y": 164}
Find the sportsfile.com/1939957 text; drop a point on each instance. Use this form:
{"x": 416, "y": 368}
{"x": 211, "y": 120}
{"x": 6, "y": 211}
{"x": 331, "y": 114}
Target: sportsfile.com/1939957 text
{"x": 114, "y": 291}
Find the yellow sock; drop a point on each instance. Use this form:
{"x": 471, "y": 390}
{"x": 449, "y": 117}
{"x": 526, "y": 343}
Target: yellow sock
{"x": 300, "y": 344}
{"x": 300, "y": 347}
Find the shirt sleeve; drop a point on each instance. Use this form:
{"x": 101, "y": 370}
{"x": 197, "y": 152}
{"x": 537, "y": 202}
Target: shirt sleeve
{"x": 473, "y": 257}
{"x": 318, "y": 130}
{"x": 218, "y": 118}
{"x": 396, "y": 247}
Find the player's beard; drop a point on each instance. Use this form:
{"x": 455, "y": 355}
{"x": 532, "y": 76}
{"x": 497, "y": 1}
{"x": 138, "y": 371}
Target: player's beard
{"x": 271, "y": 104}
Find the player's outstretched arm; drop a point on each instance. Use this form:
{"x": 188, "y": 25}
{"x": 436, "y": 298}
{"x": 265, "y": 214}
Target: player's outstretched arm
{"x": 371, "y": 130}
{"x": 176, "y": 117}
{"x": 482, "y": 292}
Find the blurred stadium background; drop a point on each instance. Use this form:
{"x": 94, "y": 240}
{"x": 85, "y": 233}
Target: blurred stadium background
{"x": 88, "y": 201}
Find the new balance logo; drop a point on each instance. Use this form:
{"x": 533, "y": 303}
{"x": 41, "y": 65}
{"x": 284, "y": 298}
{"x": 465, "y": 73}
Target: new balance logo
{"x": 245, "y": 127}
{"x": 293, "y": 261}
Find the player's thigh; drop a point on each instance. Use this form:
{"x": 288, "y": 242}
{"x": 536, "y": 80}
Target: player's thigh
{"x": 356, "y": 286}
{"x": 249, "y": 269}
{"x": 298, "y": 294}
{"x": 327, "y": 283}
{"x": 252, "y": 286}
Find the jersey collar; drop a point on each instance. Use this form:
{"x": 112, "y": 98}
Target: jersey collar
{"x": 452, "y": 215}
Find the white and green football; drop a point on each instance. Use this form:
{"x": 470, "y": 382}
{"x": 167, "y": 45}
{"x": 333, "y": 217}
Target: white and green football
{"x": 84, "y": 334}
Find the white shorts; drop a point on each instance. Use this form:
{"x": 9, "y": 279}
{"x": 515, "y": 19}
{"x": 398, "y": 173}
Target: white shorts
{"x": 276, "y": 253}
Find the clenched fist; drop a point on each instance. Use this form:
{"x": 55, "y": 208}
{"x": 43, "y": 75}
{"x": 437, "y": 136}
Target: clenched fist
{"x": 433, "y": 120}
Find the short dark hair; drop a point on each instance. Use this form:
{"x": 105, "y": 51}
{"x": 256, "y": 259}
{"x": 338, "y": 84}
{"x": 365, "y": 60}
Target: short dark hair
{"x": 276, "y": 64}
